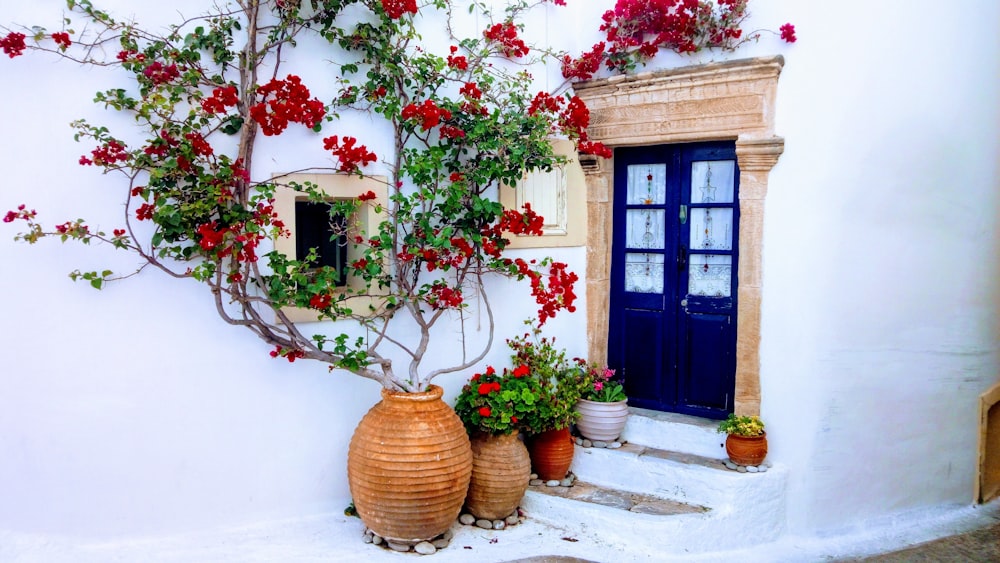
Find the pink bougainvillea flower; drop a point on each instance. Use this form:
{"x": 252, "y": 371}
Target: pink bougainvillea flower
{"x": 787, "y": 32}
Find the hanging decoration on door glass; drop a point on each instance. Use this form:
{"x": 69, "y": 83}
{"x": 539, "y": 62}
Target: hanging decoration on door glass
{"x": 645, "y": 227}
{"x": 710, "y": 275}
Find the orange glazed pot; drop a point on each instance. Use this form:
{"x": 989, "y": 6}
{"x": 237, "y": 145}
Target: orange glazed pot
{"x": 500, "y": 472}
{"x": 746, "y": 450}
{"x": 409, "y": 465}
{"x": 551, "y": 453}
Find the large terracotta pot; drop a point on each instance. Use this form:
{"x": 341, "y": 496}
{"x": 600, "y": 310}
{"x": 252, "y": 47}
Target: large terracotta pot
{"x": 746, "y": 450}
{"x": 551, "y": 453}
{"x": 601, "y": 421}
{"x": 409, "y": 465}
{"x": 500, "y": 471}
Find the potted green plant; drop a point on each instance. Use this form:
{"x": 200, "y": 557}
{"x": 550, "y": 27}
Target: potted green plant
{"x": 494, "y": 407}
{"x": 550, "y": 442}
{"x": 603, "y": 406}
{"x": 199, "y": 200}
{"x": 746, "y": 441}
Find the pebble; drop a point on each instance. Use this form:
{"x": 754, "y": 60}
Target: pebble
{"x": 512, "y": 520}
{"x": 535, "y": 482}
{"x": 425, "y": 548}
{"x": 499, "y": 524}
{"x": 741, "y": 469}
{"x": 730, "y": 465}
{"x": 587, "y": 443}
{"x": 377, "y": 539}
{"x": 599, "y": 444}
{"x": 533, "y": 476}
{"x": 579, "y": 441}
{"x": 552, "y": 483}
{"x": 441, "y": 543}
{"x": 447, "y": 535}
{"x": 752, "y": 469}
{"x": 762, "y": 468}
{"x": 567, "y": 482}
{"x": 614, "y": 445}
{"x": 396, "y": 546}
{"x": 467, "y": 519}
{"x": 484, "y": 524}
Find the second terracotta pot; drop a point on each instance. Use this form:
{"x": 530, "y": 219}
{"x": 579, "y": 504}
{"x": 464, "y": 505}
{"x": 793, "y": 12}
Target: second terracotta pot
{"x": 500, "y": 471}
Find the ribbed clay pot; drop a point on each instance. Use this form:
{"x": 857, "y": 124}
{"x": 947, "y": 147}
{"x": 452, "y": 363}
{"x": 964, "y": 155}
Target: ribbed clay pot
{"x": 551, "y": 453}
{"x": 601, "y": 421}
{"x": 746, "y": 450}
{"x": 500, "y": 471}
{"x": 409, "y": 465}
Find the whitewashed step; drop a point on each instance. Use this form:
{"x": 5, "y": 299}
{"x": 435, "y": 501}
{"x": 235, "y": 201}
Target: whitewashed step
{"x": 675, "y": 432}
{"x": 748, "y": 508}
{"x": 682, "y": 477}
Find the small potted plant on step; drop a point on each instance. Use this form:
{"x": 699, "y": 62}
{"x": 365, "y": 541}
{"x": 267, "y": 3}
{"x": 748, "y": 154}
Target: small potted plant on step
{"x": 494, "y": 407}
{"x": 603, "y": 406}
{"x": 746, "y": 442}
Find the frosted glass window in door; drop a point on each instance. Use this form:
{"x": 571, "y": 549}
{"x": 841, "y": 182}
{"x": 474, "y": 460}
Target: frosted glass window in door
{"x": 712, "y": 228}
{"x": 644, "y": 228}
{"x": 643, "y": 273}
{"x": 647, "y": 184}
{"x": 710, "y": 275}
{"x": 712, "y": 181}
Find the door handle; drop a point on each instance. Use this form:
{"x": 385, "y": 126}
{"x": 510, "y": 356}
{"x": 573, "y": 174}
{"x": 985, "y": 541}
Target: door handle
{"x": 682, "y": 257}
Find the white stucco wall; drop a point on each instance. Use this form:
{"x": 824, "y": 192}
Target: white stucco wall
{"x": 134, "y": 409}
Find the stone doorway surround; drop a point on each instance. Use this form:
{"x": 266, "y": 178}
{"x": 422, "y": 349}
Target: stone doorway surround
{"x": 731, "y": 100}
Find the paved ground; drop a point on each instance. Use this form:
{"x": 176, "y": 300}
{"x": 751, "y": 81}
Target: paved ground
{"x": 981, "y": 545}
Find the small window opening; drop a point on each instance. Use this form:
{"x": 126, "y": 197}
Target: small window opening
{"x": 315, "y": 227}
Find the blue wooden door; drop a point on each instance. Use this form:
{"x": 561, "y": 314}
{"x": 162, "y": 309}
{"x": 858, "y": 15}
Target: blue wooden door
{"x": 672, "y": 331}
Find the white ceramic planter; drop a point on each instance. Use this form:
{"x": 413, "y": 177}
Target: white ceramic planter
{"x": 601, "y": 421}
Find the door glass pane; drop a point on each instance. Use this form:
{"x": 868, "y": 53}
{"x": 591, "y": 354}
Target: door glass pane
{"x": 712, "y": 228}
{"x": 643, "y": 273}
{"x": 712, "y": 181}
{"x": 710, "y": 275}
{"x": 647, "y": 184}
{"x": 644, "y": 228}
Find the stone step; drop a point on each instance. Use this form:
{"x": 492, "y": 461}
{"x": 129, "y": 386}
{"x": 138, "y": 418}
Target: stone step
{"x": 675, "y": 432}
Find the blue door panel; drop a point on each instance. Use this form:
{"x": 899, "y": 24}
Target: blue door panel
{"x": 644, "y": 335}
{"x": 705, "y": 383}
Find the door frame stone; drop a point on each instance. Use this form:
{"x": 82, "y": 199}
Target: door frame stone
{"x": 731, "y": 100}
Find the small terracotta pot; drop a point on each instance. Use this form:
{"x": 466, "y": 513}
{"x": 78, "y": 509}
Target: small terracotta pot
{"x": 551, "y": 453}
{"x": 409, "y": 465}
{"x": 601, "y": 421}
{"x": 500, "y": 471}
{"x": 746, "y": 450}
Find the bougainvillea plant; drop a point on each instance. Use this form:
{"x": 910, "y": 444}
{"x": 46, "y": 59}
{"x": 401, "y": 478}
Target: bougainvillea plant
{"x": 636, "y": 30}
{"x": 465, "y": 124}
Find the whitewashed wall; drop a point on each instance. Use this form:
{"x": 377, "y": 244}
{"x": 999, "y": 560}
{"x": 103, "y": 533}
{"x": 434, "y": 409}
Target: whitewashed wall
{"x": 134, "y": 409}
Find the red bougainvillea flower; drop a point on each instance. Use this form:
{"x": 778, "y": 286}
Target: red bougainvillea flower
{"x": 283, "y": 102}
{"x": 787, "y": 32}
{"x": 62, "y": 39}
{"x": 351, "y": 157}
{"x": 396, "y": 8}
{"x": 320, "y": 301}
{"x": 485, "y": 412}
{"x": 457, "y": 62}
{"x": 367, "y": 196}
{"x": 13, "y": 44}
{"x": 220, "y": 99}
